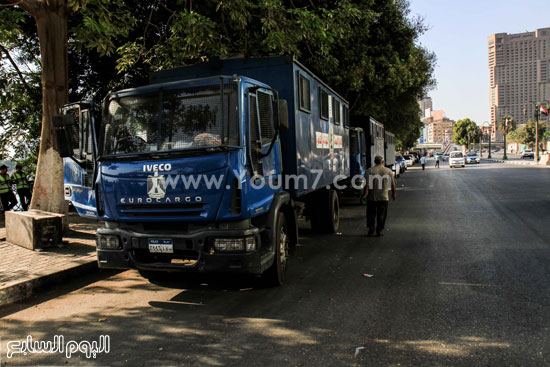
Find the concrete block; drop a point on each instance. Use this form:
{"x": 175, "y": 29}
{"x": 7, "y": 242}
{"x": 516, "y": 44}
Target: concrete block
{"x": 34, "y": 229}
{"x": 545, "y": 159}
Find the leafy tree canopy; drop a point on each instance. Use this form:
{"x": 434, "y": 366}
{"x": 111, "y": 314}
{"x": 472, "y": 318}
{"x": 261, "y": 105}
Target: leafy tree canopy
{"x": 466, "y": 131}
{"x": 365, "y": 49}
{"x": 525, "y": 134}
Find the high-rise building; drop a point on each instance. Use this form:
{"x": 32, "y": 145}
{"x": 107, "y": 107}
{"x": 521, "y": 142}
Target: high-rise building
{"x": 519, "y": 72}
{"x": 426, "y": 107}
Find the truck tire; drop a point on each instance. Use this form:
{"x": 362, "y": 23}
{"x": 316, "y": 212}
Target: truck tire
{"x": 333, "y": 215}
{"x": 325, "y": 216}
{"x": 276, "y": 274}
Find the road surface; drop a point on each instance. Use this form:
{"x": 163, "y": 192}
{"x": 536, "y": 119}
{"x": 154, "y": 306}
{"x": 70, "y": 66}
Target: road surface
{"x": 461, "y": 278}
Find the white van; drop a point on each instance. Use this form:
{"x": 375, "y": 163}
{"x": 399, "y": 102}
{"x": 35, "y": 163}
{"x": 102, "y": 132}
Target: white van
{"x": 456, "y": 158}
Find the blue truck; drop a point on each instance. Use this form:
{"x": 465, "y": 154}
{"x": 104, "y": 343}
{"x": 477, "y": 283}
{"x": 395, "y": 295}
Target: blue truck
{"x": 208, "y": 168}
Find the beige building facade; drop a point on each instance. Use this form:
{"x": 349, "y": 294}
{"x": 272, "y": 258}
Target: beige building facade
{"x": 519, "y": 73}
{"x": 439, "y": 131}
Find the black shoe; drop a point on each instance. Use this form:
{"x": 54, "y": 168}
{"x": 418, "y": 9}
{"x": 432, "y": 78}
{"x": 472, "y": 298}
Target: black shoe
{"x": 370, "y": 234}
{"x": 380, "y": 233}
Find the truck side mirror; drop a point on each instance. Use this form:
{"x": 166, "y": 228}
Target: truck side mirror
{"x": 62, "y": 125}
{"x": 282, "y": 114}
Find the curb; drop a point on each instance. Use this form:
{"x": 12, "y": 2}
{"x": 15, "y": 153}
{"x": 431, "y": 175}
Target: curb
{"x": 25, "y": 289}
{"x": 513, "y": 162}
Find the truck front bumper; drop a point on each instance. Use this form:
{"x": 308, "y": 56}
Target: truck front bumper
{"x": 192, "y": 252}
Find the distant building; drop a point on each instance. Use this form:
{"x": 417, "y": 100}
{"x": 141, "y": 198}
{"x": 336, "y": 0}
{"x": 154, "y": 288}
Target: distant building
{"x": 426, "y": 107}
{"x": 519, "y": 72}
{"x": 440, "y": 131}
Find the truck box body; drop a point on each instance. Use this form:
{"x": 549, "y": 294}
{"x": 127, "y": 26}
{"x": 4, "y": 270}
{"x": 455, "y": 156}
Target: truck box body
{"x": 313, "y": 142}
{"x": 374, "y": 137}
{"x": 389, "y": 148}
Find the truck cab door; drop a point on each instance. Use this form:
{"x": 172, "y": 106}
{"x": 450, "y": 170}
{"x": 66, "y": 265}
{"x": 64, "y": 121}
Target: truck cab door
{"x": 264, "y": 155}
{"x": 77, "y": 144}
{"x": 363, "y": 152}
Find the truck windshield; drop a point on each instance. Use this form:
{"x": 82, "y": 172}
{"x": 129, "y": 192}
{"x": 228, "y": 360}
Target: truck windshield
{"x": 195, "y": 117}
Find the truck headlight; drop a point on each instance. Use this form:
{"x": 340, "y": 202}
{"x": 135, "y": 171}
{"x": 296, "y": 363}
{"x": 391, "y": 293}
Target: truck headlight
{"x": 247, "y": 244}
{"x": 108, "y": 242}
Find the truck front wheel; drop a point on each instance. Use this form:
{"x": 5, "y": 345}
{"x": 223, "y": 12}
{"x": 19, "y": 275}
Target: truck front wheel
{"x": 275, "y": 275}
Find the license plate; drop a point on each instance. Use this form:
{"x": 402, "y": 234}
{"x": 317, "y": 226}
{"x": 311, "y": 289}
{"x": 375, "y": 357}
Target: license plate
{"x": 160, "y": 246}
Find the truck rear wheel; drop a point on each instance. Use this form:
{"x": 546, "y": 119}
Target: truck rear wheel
{"x": 333, "y": 215}
{"x": 276, "y": 274}
{"x": 325, "y": 216}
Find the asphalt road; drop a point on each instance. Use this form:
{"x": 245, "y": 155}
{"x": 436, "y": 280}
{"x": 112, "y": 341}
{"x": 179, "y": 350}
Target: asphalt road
{"x": 461, "y": 278}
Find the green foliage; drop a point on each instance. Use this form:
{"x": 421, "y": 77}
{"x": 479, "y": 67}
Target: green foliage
{"x": 466, "y": 131}
{"x": 506, "y": 124}
{"x": 365, "y": 49}
{"x": 526, "y": 133}
{"x": 103, "y": 21}
{"x": 20, "y": 84}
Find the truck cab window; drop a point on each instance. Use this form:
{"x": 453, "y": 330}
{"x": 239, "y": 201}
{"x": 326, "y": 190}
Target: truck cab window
{"x": 186, "y": 118}
{"x": 265, "y": 109}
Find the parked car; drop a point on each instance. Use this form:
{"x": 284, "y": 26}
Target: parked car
{"x": 415, "y": 156}
{"x": 445, "y": 157}
{"x": 472, "y": 158}
{"x": 409, "y": 159}
{"x": 399, "y": 159}
{"x": 396, "y": 169}
{"x": 527, "y": 153}
{"x": 456, "y": 159}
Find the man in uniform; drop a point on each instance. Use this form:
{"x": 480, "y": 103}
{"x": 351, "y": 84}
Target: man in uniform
{"x": 6, "y": 195}
{"x": 23, "y": 187}
{"x": 380, "y": 181}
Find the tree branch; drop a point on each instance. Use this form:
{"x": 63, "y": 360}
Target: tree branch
{"x": 30, "y": 6}
{"x": 6, "y": 51}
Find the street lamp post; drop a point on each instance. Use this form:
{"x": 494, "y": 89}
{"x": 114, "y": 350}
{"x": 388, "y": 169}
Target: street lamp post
{"x": 490, "y": 137}
{"x": 537, "y": 115}
{"x": 489, "y": 132}
{"x": 505, "y": 156}
{"x": 538, "y": 108}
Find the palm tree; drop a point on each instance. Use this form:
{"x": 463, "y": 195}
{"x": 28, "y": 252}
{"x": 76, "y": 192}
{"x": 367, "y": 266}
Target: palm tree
{"x": 506, "y": 125}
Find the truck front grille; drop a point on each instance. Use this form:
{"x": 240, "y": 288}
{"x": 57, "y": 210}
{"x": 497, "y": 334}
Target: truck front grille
{"x": 162, "y": 210}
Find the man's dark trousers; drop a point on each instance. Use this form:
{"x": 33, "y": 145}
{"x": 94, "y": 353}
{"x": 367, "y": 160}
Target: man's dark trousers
{"x": 377, "y": 210}
{"x": 24, "y": 197}
{"x": 8, "y": 200}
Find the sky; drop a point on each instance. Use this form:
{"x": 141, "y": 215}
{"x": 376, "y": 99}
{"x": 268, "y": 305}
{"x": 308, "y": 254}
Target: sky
{"x": 458, "y": 31}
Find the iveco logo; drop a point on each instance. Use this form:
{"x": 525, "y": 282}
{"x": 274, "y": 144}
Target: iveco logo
{"x": 157, "y": 167}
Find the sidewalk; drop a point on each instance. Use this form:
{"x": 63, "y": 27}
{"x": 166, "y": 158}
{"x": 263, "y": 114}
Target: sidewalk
{"x": 524, "y": 163}
{"x": 22, "y": 271}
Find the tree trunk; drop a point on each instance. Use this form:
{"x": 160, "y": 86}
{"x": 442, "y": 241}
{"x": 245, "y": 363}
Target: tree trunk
{"x": 51, "y": 21}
